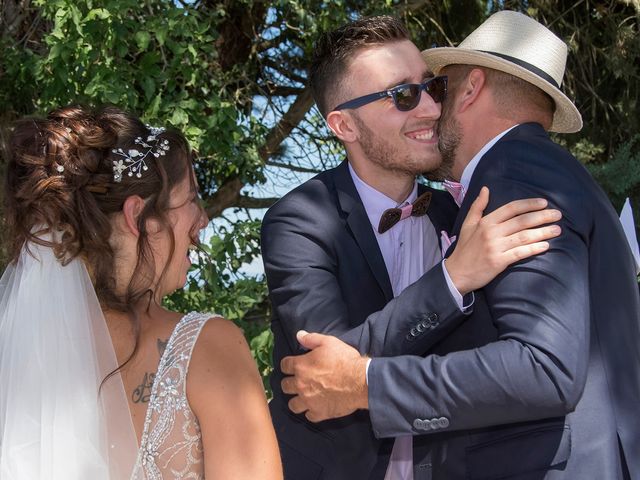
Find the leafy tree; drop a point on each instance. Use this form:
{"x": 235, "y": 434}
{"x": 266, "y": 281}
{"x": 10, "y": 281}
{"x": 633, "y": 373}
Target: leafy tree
{"x": 231, "y": 74}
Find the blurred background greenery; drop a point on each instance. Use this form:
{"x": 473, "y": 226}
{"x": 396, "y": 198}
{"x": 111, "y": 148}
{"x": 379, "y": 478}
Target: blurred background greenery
{"x": 232, "y": 76}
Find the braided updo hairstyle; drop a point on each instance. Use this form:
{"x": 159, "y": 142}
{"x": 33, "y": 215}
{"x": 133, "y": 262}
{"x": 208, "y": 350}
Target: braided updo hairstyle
{"x": 60, "y": 178}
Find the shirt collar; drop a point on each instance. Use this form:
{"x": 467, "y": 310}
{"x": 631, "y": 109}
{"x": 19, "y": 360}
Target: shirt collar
{"x": 467, "y": 173}
{"x": 375, "y": 202}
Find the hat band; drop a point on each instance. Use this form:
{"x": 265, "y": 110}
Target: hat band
{"x": 532, "y": 68}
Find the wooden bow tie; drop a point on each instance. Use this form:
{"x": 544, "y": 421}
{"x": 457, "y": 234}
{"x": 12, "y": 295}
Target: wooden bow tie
{"x": 391, "y": 216}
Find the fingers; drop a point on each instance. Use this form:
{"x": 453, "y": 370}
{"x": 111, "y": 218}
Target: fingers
{"x": 310, "y": 340}
{"x": 314, "y": 417}
{"x": 297, "y": 405}
{"x": 287, "y": 365}
{"x": 289, "y": 385}
{"x": 526, "y": 251}
{"x": 534, "y": 235}
{"x": 514, "y": 208}
{"x": 529, "y": 220}
{"x": 477, "y": 207}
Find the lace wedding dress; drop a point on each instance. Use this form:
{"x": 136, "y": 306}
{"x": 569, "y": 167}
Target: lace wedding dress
{"x": 55, "y": 352}
{"x": 171, "y": 444}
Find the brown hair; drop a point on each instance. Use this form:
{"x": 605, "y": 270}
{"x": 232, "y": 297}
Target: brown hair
{"x": 333, "y": 51}
{"x": 60, "y": 178}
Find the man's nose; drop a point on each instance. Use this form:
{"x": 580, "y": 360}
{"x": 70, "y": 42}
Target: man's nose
{"x": 427, "y": 107}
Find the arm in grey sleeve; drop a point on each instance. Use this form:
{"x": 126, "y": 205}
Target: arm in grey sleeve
{"x": 302, "y": 276}
{"x": 535, "y": 369}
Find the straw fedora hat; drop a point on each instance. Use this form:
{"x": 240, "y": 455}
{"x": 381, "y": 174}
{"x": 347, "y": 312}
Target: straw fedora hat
{"x": 516, "y": 44}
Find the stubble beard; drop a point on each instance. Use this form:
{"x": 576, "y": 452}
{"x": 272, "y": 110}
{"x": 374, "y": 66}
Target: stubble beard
{"x": 449, "y": 137}
{"x": 382, "y": 153}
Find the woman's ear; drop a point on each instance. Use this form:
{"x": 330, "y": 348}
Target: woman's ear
{"x": 132, "y": 209}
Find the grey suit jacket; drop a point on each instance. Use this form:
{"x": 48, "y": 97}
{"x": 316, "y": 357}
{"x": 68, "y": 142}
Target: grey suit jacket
{"x": 543, "y": 381}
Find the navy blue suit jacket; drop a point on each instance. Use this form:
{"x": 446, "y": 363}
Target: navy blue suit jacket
{"x": 543, "y": 381}
{"x": 326, "y": 274}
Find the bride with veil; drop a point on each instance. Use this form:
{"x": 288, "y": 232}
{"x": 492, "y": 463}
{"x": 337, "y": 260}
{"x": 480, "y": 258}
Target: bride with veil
{"x": 97, "y": 379}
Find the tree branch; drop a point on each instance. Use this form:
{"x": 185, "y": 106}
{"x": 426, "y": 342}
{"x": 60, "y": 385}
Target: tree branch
{"x": 293, "y": 168}
{"x": 228, "y": 195}
{"x": 289, "y": 120}
{"x": 268, "y": 62}
{"x": 280, "y": 90}
{"x": 411, "y": 6}
{"x": 245, "y": 201}
{"x": 272, "y": 42}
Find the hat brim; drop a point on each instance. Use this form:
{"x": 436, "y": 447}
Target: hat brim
{"x": 566, "y": 118}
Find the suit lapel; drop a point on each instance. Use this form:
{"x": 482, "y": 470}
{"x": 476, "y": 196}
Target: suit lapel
{"x": 360, "y": 226}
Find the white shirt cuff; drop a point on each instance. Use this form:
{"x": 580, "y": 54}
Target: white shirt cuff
{"x": 457, "y": 296}
{"x": 366, "y": 372}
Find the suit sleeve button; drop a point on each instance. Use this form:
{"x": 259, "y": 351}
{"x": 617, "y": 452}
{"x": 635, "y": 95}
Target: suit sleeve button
{"x": 443, "y": 422}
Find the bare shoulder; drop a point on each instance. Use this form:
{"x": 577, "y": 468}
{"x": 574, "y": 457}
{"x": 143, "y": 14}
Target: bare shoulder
{"x": 220, "y": 338}
{"x": 221, "y": 362}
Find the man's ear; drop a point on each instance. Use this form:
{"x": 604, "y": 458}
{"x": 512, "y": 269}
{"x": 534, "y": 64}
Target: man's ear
{"x": 470, "y": 89}
{"x": 341, "y": 124}
{"x": 132, "y": 209}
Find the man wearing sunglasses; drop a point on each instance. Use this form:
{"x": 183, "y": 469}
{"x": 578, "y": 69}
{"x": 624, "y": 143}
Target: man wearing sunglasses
{"x": 543, "y": 380}
{"x": 340, "y": 247}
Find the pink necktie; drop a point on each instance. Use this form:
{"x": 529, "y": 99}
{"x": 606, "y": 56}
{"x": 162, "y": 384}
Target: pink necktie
{"x": 456, "y": 190}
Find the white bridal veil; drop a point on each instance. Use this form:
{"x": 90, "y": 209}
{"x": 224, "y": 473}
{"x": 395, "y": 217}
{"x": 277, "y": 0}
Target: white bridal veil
{"x": 55, "y": 350}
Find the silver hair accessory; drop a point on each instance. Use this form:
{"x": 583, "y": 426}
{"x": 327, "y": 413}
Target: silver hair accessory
{"x": 133, "y": 160}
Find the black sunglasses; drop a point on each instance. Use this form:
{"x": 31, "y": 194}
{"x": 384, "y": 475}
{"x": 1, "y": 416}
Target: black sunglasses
{"x": 405, "y": 97}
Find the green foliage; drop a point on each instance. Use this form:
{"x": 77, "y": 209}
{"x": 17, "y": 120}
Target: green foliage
{"x": 584, "y": 149}
{"x": 620, "y": 176}
{"x": 261, "y": 345}
{"x": 228, "y": 73}
{"x": 603, "y": 71}
{"x": 154, "y": 58}
{"x": 214, "y": 285}
{"x": 159, "y": 60}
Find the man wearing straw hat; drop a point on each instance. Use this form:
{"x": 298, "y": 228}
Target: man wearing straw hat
{"x": 343, "y": 248}
{"x": 543, "y": 381}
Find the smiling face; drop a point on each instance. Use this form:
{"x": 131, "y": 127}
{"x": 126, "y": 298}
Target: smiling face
{"x": 389, "y": 139}
{"x": 186, "y": 218}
